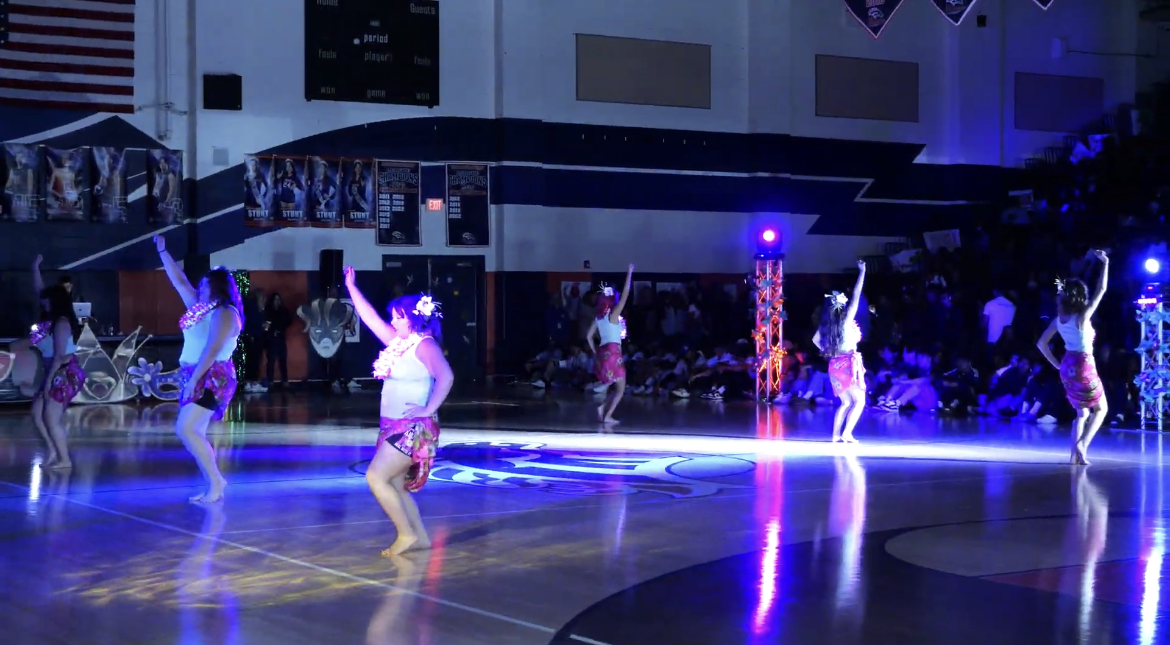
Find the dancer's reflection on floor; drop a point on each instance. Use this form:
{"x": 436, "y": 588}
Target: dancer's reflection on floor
{"x": 389, "y": 625}
{"x": 208, "y": 603}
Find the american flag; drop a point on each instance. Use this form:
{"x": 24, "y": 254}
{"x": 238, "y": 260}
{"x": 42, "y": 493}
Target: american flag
{"x": 68, "y": 54}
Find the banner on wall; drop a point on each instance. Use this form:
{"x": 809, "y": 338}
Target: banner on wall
{"x": 22, "y": 199}
{"x": 164, "y": 183}
{"x": 398, "y": 202}
{"x": 468, "y": 205}
{"x": 954, "y": 10}
{"x": 1044, "y": 4}
{"x": 874, "y": 15}
{"x": 109, "y": 185}
{"x": 66, "y": 184}
{"x": 290, "y": 191}
{"x": 258, "y": 191}
{"x": 357, "y": 197}
{"x": 324, "y": 193}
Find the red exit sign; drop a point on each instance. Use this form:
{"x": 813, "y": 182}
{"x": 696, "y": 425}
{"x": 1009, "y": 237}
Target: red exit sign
{"x": 434, "y": 204}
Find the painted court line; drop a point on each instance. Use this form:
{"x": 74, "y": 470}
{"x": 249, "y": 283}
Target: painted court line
{"x": 309, "y": 565}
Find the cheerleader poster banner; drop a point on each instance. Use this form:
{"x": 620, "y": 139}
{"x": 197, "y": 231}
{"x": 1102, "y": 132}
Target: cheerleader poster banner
{"x": 258, "y": 191}
{"x": 290, "y": 191}
{"x": 109, "y": 185}
{"x": 468, "y": 205}
{"x": 21, "y": 188}
{"x": 954, "y": 10}
{"x": 874, "y": 15}
{"x": 66, "y": 185}
{"x": 357, "y": 197}
{"x": 324, "y": 193}
{"x": 164, "y": 183}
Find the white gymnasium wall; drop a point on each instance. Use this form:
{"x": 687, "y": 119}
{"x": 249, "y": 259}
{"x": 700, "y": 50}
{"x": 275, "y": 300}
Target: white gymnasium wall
{"x": 262, "y": 40}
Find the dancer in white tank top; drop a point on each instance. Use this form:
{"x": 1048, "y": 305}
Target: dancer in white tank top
{"x": 207, "y": 376}
{"x": 1078, "y": 370}
{"x": 837, "y": 338}
{"x": 53, "y": 339}
{"x": 608, "y": 365}
{"x": 416, "y": 379}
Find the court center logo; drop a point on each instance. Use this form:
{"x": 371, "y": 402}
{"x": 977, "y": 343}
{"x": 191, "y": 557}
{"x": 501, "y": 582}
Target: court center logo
{"x": 530, "y": 466}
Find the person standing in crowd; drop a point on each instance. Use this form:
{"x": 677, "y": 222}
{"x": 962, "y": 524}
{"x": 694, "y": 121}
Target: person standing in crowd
{"x": 1078, "y": 369}
{"x": 207, "y": 378}
{"x": 253, "y": 340}
{"x": 416, "y": 379}
{"x": 837, "y": 338}
{"x": 608, "y": 364}
{"x": 277, "y": 320}
{"x": 998, "y": 314}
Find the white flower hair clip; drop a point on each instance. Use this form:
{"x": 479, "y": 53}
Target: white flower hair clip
{"x": 607, "y": 290}
{"x": 837, "y": 300}
{"x": 427, "y": 308}
{"x": 1059, "y": 285}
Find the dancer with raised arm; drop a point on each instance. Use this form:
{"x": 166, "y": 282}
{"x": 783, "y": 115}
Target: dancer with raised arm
{"x": 1075, "y": 307}
{"x": 207, "y": 377}
{"x": 55, "y": 338}
{"x": 837, "y": 338}
{"x": 416, "y": 379}
{"x": 608, "y": 365}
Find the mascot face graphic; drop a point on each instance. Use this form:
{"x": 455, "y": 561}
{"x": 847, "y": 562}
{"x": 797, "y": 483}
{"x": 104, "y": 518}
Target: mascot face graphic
{"x": 327, "y": 320}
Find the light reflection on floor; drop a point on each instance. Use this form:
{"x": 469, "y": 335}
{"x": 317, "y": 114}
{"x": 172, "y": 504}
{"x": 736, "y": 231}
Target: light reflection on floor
{"x": 725, "y": 523}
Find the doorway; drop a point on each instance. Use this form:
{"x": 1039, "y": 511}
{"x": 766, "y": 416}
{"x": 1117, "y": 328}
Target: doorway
{"x": 457, "y": 283}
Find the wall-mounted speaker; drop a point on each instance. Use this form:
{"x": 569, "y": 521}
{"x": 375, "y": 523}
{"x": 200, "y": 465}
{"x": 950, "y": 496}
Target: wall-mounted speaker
{"x": 223, "y": 92}
{"x": 331, "y": 270}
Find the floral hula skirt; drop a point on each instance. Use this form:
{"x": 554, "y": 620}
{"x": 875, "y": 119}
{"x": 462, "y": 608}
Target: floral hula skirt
{"x": 1078, "y": 374}
{"x": 220, "y": 381}
{"x": 416, "y": 438}
{"x": 609, "y": 367}
{"x": 846, "y": 372}
{"x": 67, "y": 382}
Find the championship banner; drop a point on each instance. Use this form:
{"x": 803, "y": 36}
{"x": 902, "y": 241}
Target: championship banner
{"x": 66, "y": 185}
{"x": 954, "y": 10}
{"x": 21, "y": 186}
{"x": 164, "y": 183}
{"x": 398, "y": 202}
{"x": 324, "y": 194}
{"x": 468, "y": 205}
{"x": 1043, "y": 4}
{"x": 874, "y": 15}
{"x": 290, "y": 191}
{"x": 109, "y": 185}
{"x": 258, "y": 191}
{"x": 357, "y": 197}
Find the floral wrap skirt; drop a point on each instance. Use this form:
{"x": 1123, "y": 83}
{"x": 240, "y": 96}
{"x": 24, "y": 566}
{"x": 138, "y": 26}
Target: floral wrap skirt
{"x": 609, "y": 366}
{"x": 67, "y": 382}
{"x": 1078, "y": 374}
{"x": 416, "y": 438}
{"x": 846, "y": 372}
{"x": 219, "y": 381}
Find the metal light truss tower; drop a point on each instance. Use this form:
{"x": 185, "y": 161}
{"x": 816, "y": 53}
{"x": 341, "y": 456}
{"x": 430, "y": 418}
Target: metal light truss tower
{"x": 1154, "y": 378}
{"x": 769, "y": 332}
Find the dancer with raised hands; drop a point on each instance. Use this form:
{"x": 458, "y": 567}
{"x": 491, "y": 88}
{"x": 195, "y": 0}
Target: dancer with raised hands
{"x": 608, "y": 364}
{"x": 207, "y": 376}
{"x": 837, "y": 338}
{"x": 1078, "y": 370}
{"x": 416, "y": 379}
{"x": 54, "y": 337}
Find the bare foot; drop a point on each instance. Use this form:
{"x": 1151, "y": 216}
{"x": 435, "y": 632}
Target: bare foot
{"x": 837, "y": 438}
{"x": 400, "y": 546}
{"x": 50, "y": 460}
{"x": 423, "y": 544}
{"x": 60, "y": 465}
{"x": 610, "y": 421}
{"x": 213, "y": 494}
{"x": 601, "y": 413}
{"x": 849, "y": 439}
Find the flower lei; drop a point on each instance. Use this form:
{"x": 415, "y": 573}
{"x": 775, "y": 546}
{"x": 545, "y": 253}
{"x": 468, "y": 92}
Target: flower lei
{"x": 195, "y": 315}
{"x": 388, "y": 357}
{"x": 40, "y": 331}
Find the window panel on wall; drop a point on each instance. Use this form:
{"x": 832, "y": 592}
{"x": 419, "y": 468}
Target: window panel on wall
{"x": 864, "y": 88}
{"x": 1050, "y": 103}
{"x": 643, "y": 72}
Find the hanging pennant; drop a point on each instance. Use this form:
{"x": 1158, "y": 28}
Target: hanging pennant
{"x": 873, "y": 14}
{"x": 1043, "y": 4}
{"x": 954, "y": 10}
